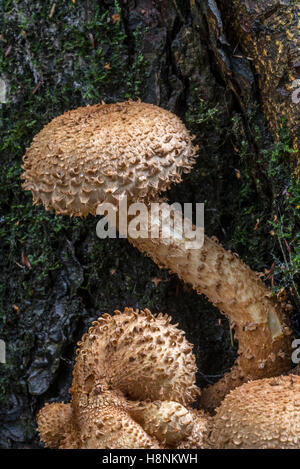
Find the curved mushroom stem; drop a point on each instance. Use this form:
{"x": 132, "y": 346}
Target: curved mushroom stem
{"x": 258, "y": 320}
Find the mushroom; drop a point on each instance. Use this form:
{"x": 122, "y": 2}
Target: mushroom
{"x": 133, "y": 383}
{"x": 105, "y": 427}
{"x": 199, "y": 436}
{"x": 261, "y": 414}
{"x": 110, "y": 152}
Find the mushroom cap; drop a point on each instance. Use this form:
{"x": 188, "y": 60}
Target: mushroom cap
{"x": 139, "y": 354}
{"x": 101, "y": 153}
{"x": 261, "y": 414}
{"x": 110, "y": 427}
{"x": 101, "y": 427}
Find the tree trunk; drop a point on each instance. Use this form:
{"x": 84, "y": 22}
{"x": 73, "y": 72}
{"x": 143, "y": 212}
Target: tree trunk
{"x": 190, "y": 58}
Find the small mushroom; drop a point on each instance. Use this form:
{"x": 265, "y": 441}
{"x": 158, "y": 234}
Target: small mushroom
{"x": 261, "y": 414}
{"x": 54, "y": 422}
{"x": 199, "y": 436}
{"x": 133, "y": 382}
{"x": 295, "y": 371}
{"x": 102, "y": 153}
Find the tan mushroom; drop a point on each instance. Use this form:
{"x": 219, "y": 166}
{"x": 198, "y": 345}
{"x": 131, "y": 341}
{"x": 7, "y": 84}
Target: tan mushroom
{"x": 295, "y": 371}
{"x": 199, "y": 436}
{"x": 133, "y": 381}
{"x": 261, "y": 414}
{"x": 54, "y": 422}
{"x": 103, "y": 153}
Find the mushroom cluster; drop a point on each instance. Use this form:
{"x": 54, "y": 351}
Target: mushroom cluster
{"x": 103, "y": 153}
{"x": 133, "y": 383}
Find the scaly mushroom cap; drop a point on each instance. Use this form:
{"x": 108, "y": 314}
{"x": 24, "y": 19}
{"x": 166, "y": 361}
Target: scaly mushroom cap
{"x": 261, "y": 414}
{"x": 54, "y": 420}
{"x": 138, "y": 353}
{"x": 168, "y": 421}
{"x": 102, "y": 427}
{"x": 101, "y": 153}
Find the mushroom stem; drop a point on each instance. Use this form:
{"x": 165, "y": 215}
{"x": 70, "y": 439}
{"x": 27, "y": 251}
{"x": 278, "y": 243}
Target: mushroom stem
{"x": 258, "y": 320}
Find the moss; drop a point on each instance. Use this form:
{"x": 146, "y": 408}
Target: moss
{"x": 88, "y": 52}
{"x": 75, "y": 56}
{"x": 268, "y": 209}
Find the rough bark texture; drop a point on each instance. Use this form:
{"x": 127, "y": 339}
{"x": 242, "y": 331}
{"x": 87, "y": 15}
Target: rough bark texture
{"x": 57, "y": 276}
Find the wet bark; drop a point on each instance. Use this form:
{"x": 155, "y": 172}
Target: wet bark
{"x": 267, "y": 35}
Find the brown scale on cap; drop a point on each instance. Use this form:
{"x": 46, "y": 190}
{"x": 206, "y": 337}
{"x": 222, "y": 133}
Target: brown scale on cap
{"x": 111, "y": 427}
{"x": 262, "y": 414}
{"x": 133, "y": 378}
{"x": 100, "y": 153}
